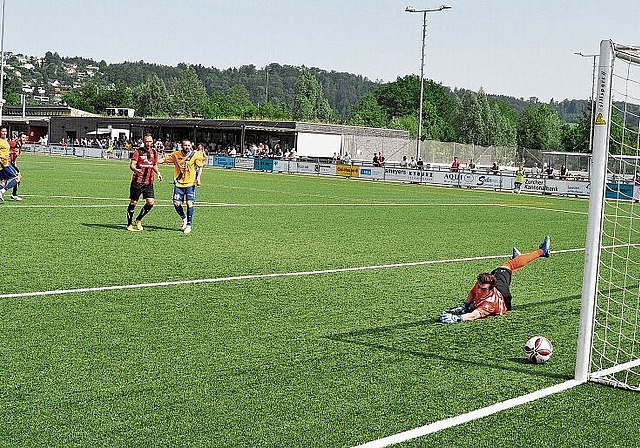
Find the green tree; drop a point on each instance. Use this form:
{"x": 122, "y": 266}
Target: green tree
{"x": 236, "y": 103}
{"x": 309, "y": 103}
{"x": 367, "y": 112}
{"x": 188, "y": 94}
{"x": 402, "y": 98}
{"x": 270, "y": 111}
{"x": 539, "y": 128}
{"x": 151, "y": 99}
{"x": 503, "y": 129}
{"x": 469, "y": 120}
{"x": 407, "y": 123}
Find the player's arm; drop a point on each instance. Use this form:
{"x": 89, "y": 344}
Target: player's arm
{"x": 133, "y": 166}
{"x": 473, "y": 315}
{"x": 199, "y": 165}
{"x": 158, "y": 173}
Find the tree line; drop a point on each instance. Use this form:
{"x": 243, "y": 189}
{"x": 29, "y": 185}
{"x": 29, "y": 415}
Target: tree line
{"x": 278, "y": 92}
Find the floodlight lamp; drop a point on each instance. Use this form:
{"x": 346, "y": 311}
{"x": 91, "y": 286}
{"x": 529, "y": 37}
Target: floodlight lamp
{"x": 410, "y": 9}
{"x": 445, "y": 6}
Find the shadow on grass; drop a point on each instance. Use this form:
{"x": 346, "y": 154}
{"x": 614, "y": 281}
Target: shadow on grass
{"x": 357, "y": 337}
{"x": 526, "y": 306}
{"x": 123, "y": 227}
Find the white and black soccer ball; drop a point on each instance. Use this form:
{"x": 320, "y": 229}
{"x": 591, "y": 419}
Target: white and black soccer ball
{"x": 538, "y": 349}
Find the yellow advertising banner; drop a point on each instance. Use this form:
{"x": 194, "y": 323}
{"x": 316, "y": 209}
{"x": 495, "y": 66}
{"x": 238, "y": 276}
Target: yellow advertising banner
{"x": 347, "y": 170}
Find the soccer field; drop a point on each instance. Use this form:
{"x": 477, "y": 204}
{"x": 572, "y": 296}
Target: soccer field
{"x": 301, "y": 311}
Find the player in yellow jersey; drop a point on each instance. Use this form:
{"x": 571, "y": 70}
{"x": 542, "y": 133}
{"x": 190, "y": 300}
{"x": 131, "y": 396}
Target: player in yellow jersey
{"x": 8, "y": 172}
{"x": 187, "y": 164}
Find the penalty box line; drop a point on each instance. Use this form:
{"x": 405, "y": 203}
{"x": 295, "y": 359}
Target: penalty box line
{"x": 254, "y": 276}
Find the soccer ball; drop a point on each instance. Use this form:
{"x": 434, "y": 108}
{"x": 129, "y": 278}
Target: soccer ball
{"x": 538, "y": 349}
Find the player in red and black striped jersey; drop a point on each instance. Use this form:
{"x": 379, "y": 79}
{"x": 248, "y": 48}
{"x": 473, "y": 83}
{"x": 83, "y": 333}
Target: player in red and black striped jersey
{"x": 144, "y": 164}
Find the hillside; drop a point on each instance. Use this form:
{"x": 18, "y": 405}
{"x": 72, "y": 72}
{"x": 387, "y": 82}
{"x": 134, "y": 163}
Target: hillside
{"x": 44, "y": 79}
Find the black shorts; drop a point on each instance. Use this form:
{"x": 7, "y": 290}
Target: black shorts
{"x": 503, "y": 281}
{"x": 136, "y": 189}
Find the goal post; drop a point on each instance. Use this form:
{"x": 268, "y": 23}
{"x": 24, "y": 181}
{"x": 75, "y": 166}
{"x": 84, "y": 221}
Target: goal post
{"x": 609, "y": 335}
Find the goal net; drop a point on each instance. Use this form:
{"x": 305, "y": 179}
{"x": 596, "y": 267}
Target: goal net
{"x": 609, "y": 340}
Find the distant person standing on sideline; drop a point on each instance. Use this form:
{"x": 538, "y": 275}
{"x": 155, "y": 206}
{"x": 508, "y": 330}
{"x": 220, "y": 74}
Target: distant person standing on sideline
{"x": 188, "y": 165}
{"x": 455, "y": 166}
{"x": 8, "y": 172}
{"x": 144, "y": 164}
{"x": 519, "y": 180}
{"x": 14, "y": 151}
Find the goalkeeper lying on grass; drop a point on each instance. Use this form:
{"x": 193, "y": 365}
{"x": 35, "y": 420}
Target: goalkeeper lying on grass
{"x": 490, "y": 295}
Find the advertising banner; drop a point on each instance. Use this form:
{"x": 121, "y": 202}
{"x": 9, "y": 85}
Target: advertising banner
{"x": 305, "y": 167}
{"x": 372, "y": 172}
{"x": 244, "y": 163}
{"x": 347, "y": 170}
{"x": 263, "y": 164}
{"x": 619, "y": 191}
{"x": 225, "y": 162}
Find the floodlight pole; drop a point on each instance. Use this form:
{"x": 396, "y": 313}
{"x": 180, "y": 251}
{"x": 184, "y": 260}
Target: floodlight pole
{"x": 424, "y": 35}
{"x": 593, "y": 86}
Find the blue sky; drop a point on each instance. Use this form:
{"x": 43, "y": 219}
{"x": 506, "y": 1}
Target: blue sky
{"x": 512, "y": 47}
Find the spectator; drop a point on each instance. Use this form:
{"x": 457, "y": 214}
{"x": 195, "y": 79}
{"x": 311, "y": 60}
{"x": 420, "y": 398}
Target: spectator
{"x": 404, "y": 163}
{"x": 549, "y": 172}
{"x": 535, "y": 170}
{"x": 455, "y": 166}
{"x": 471, "y": 166}
{"x": 495, "y": 169}
{"x": 563, "y": 172}
{"x": 375, "y": 159}
{"x": 420, "y": 163}
{"x": 412, "y": 162}
{"x": 380, "y": 159}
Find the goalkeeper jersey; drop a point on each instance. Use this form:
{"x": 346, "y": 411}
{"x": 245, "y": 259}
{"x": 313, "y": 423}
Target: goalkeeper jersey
{"x": 185, "y": 165}
{"x": 491, "y": 303}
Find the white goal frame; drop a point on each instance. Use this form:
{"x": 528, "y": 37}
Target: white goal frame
{"x": 601, "y": 122}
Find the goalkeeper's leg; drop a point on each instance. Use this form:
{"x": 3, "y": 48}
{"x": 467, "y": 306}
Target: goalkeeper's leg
{"x": 522, "y": 260}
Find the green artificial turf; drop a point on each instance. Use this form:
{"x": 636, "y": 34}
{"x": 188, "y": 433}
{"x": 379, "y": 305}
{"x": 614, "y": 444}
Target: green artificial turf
{"x": 253, "y": 356}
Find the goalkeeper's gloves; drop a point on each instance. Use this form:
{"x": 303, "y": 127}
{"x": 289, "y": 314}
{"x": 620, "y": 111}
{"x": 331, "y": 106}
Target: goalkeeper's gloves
{"x": 448, "y": 318}
{"x": 464, "y": 308}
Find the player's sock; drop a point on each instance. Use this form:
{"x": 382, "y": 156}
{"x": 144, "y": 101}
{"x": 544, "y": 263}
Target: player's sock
{"x": 15, "y": 190}
{"x": 190, "y": 211}
{"x": 146, "y": 209}
{"x": 130, "y": 210}
{"x": 522, "y": 260}
{"x": 12, "y": 183}
{"x": 180, "y": 211}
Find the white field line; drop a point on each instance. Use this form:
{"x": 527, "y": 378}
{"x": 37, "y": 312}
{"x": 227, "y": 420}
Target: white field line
{"x": 258, "y": 276}
{"x": 468, "y": 417}
{"x": 242, "y": 277}
{"x": 222, "y": 204}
